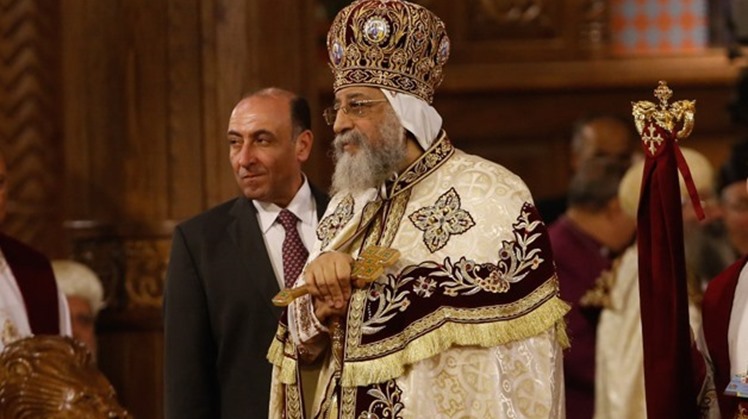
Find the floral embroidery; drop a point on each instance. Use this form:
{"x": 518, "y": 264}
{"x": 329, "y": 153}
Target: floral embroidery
{"x": 331, "y": 225}
{"x": 389, "y": 298}
{"x": 442, "y": 220}
{"x": 424, "y": 286}
{"x": 392, "y": 294}
{"x": 516, "y": 260}
{"x": 387, "y": 402}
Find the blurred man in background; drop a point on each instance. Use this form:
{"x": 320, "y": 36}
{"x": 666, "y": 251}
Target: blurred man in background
{"x": 593, "y": 136}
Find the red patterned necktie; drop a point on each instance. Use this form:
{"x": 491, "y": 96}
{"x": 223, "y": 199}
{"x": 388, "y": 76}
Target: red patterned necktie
{"x": 294, "y": 252}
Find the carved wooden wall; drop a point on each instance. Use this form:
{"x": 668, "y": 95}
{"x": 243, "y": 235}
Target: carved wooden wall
{"x": 113, "y": 115}
{"x": 30, "y": 121}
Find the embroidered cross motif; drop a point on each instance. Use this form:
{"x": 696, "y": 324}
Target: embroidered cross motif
{"x": 652, "y": 140}
{"x": 442, "y": 220}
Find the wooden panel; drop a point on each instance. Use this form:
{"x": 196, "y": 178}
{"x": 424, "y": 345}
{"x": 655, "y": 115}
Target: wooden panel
{"x": 186, "y": 177}
{"x": 30, "y": 122}
{"x": 131, "y": 356}
{"x": 529, "y": 132}
{"x": 252, "y": 45}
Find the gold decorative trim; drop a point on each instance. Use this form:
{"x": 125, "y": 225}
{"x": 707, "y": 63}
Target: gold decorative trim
{"x": 331, "y": 225}
{"x": 428, "y": 162}
{"x": 393, "y": 211}
{"x": 293, "y": 408}
{"x": 426, "y": 343}
{"x": 282, "y": 354}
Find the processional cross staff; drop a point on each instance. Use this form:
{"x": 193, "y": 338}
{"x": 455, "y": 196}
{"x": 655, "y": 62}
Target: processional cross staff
{"x": 669, "y": 366}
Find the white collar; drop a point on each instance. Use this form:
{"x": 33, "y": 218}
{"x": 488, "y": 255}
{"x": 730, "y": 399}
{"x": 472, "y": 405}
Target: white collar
{"x": 302, "y": 206}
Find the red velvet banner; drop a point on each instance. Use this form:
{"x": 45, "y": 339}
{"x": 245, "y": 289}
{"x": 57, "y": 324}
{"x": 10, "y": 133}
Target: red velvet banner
{"x": 668, "y": 369}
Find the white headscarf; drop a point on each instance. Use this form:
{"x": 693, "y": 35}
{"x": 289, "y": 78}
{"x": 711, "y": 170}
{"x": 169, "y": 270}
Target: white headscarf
{"x": 417, "y": 116}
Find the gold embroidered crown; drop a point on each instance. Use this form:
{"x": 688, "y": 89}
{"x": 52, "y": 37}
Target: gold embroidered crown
{"x": 388, "y": 43}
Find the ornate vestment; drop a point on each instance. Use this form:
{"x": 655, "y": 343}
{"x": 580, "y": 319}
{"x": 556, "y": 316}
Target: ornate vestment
{"x": 619, "y": 392}
{"x": 468, "y": 323}
{"x": 722, "y": 319}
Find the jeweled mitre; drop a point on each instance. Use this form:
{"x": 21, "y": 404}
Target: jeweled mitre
{"x": 388, "y": 43}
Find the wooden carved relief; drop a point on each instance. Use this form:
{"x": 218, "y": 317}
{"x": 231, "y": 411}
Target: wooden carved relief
{"x": 594, "y": 30}
{"x": 132, "y": 269}
{"x": 146, "y": 262}
{"x": 105, "y": 256}
{"x": 30, "y": 121}
{"x": 513, "y": 19}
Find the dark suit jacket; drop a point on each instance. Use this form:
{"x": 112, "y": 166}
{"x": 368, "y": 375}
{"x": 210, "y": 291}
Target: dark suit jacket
{"x": 218, "y": 317}
{"x": 36, "y": 280}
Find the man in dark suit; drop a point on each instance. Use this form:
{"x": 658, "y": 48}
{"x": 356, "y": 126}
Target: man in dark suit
{"x": 226, "y": 264}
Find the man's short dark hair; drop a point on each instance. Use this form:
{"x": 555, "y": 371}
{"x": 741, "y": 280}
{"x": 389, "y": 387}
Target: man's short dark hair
{"x": 301, "y": 116}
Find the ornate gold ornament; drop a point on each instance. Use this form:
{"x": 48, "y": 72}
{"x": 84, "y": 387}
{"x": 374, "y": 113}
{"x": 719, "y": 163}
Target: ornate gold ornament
{"x": 54, "y": 377}
{"x": 676, "y": 118}
{"x": 388, "y": 43}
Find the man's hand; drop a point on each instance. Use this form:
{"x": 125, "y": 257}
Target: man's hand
{"x": 328, "y": 278}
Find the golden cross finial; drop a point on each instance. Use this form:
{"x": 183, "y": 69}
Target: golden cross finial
{"x": 663, "y": 93}
{"x": 676, "y": 117}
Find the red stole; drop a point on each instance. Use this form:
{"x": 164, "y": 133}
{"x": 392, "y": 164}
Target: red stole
{"x": 716, "y": 307}
{"x": 36, "y": 281}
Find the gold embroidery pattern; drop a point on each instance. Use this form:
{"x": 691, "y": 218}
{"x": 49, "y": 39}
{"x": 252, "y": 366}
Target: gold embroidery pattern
{"x": 329, "y": 227}
{"x": 348, "y": 403}
{"x": 356, "y": 350}
{"x": 516, "y": 260}
{"x": 393, "y": 213}
{"x": 442, "y": 220}
{"x": 387, "y": 401}
{"x": 293, "y": 402}
{"x": 434, "y": 157}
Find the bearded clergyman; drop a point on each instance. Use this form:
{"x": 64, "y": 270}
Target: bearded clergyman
{"x": 467, "y": 322}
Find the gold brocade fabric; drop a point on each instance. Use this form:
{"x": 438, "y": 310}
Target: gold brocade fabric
{"x": 475, "y": 286}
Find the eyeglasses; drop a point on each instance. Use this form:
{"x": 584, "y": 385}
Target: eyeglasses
{"x": 356, "y": 108}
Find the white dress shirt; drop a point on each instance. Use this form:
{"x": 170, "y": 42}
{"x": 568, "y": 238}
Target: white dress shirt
{"x": 304, "y": 208}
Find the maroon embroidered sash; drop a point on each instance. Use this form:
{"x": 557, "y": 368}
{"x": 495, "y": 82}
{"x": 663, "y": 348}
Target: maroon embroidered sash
{"x": 36, "y": 281}
{"x": 717, "y": 306}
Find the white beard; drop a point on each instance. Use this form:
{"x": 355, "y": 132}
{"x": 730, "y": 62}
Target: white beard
{"x": 371, "y": 165}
